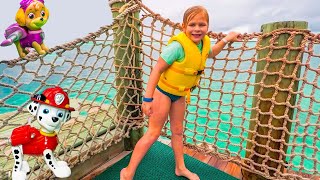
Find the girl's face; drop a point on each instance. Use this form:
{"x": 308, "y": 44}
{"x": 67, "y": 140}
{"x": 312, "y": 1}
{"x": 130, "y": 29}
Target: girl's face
{"x": 196, "y": 28}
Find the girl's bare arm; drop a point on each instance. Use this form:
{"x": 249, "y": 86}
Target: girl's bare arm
{"x": 217, "y": 48}
{"x": 156, "y": 72}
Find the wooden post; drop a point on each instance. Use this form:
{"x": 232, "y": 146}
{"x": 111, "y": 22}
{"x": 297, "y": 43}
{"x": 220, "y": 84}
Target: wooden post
{"x": 267, "y": 99}
{"x": 127, "y": 64}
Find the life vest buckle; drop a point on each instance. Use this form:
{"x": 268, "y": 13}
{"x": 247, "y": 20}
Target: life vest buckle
{"x": 199, "y": 72}
{"x": 193, "y": 88}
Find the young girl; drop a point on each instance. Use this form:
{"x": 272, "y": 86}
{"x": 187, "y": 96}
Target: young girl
{"x": 177, "y": 71}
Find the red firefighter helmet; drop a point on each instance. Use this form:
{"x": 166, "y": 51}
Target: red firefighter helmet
{"x": 55, "y": 97}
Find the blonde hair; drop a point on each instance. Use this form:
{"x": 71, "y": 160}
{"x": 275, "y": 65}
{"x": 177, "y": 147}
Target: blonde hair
{"x": 193, "y": 11}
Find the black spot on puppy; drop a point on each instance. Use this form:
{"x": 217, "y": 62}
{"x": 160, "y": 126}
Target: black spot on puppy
{"x": 30, "y": 107}
{"x": 40, "y": 118}
{"x": 50, "y": 162}
{"x": 16, "y": 157}
{"x": 16, "y": 151}
{"x": 35, "y": 108}
{"x": 39, "y": 97}
{"x": 17, "y": 162}
{"x": 48, "y": 156}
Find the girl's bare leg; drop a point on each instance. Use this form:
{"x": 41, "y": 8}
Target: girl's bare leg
{"x": 161, "y": 107}
{"x": 177, "y": 113}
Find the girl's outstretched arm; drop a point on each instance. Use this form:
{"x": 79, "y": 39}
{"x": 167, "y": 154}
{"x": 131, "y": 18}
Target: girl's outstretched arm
{"x": 156, "y": 72}
{"x": 217, "y": 48}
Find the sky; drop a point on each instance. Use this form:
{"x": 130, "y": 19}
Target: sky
{"x": 72, "y": 19}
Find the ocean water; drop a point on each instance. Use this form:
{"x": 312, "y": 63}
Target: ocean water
{"x": 209, "y": 104}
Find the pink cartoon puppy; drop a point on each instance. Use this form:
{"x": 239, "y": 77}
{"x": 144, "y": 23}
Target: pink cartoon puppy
{"x": 27, "y": 32}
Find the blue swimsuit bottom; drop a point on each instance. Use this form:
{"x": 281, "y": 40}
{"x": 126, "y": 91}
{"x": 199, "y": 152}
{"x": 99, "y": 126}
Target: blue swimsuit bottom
{"x": 172, "y": 97}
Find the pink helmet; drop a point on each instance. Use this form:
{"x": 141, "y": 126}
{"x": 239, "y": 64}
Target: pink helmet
{"x": 25, "y": 3}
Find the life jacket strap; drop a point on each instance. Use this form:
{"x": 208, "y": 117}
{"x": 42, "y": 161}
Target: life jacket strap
{"x": 181, "y": 88}
{"x": 188, "y": 98}
{"x": 187, "y": 71}
{"x": 178, "y": 88}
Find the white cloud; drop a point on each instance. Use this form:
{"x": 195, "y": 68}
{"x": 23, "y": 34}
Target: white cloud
{"x": 241, "y": 29}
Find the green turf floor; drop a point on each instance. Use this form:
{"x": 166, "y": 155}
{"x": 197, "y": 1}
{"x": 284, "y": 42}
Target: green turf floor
{"x": 159, "y": 164}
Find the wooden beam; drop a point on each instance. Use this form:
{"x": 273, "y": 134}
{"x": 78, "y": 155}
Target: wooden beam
{"x": 129, "y": 76}
{"x": 278, "y": 68}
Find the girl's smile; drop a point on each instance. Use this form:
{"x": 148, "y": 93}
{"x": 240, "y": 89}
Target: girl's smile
{"x": 196, "y": 28}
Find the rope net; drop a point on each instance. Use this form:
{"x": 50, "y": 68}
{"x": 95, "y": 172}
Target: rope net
{"x": 251, "y": 107}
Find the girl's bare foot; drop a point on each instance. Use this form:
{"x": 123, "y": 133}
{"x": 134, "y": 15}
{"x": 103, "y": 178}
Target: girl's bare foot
{"x": 186, "y": 173}
{"x": 124, "y": 175}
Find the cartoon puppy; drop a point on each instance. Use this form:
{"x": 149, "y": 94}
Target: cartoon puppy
{"x": 51, "y": 109}
{"x": 27, "y": 32}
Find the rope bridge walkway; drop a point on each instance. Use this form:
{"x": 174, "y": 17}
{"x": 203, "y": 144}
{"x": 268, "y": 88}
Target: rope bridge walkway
{"x": 257, "y": 104}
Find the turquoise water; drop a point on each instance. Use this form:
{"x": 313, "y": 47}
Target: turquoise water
{"x": 211, "y": 104}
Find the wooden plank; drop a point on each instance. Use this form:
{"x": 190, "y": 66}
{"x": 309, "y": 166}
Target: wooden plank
{"x": 221, "y": 165}
{"x": 186, "y": 150}
{"x": 213, "y": 160}
{"x": 233, "y": 169}
{"x": 189, "y": 151}
{"x": 97, "y": 160}
{"x": 202, "y": 157}
{"x": 106, "y": 165}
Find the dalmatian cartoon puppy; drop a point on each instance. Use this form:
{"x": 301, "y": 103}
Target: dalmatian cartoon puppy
{"x": 51, "y": 108}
